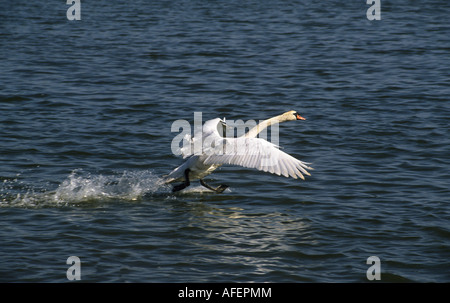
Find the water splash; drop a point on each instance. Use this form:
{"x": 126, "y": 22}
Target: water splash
{"x": 81, "y": 187}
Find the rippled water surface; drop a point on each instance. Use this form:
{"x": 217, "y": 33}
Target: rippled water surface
{"x": 86, "y": 109}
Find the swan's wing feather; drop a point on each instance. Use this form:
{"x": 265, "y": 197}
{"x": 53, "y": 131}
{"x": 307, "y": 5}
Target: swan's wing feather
{"x": 257, "y": 153}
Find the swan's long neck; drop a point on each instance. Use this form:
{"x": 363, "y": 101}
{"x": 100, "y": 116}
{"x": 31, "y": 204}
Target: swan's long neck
{"x": 263, "y": 125}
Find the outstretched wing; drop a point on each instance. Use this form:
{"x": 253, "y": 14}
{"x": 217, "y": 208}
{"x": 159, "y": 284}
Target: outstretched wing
{"x": 254, "y": 153}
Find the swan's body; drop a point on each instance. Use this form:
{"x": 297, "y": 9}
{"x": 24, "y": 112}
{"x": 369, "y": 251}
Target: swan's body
{"x": 247, "y": 151}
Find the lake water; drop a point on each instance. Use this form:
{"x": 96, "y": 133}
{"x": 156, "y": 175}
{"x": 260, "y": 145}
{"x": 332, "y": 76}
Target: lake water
{"x": 86, "y": 108}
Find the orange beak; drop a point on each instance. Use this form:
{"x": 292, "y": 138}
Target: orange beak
{"x": 300, "y": 117}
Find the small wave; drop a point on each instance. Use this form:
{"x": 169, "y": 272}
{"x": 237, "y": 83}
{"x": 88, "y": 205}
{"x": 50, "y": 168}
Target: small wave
{"x": 81, "y": 187}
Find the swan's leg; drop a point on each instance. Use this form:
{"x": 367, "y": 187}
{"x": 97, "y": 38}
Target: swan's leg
{"x": 185, "y": 184}
{"x": 207, "y": 185}
{"x": 218, "y": 189}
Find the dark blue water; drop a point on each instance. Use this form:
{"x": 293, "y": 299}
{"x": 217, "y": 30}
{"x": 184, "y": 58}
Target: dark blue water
{"x": 86, "y": 109}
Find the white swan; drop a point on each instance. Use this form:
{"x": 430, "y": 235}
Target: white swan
{"x": 247, "y": 151}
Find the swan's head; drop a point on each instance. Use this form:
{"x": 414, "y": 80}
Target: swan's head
{"x": 292, "y": 115}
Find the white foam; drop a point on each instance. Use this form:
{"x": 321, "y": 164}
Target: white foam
{"x": 81, "y": 186}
